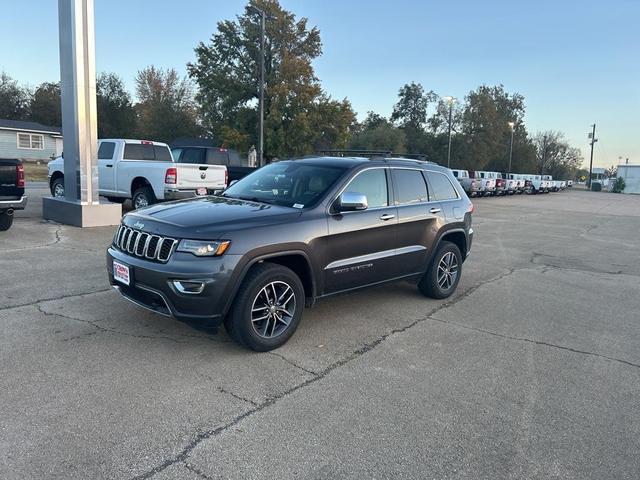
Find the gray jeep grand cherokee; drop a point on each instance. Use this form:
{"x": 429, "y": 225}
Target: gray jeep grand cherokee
{"x": 289, "y": 234}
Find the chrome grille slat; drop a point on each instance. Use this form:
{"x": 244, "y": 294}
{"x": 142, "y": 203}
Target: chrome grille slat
{"x": 140, "y": 244}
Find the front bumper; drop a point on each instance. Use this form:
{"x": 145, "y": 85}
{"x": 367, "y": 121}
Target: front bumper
{"x": 152, "y": 285}
{"x": 15, "y": 204}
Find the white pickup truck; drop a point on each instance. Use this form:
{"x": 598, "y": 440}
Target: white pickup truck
{"x": 144, "y": 172}
{"x": 470, "y": 185}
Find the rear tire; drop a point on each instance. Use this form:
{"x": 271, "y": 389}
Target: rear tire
{"x": 261, "y": 319}
{"x": 6, "y": 220}
{"x": 443, "y": 275}
{"x": 143, "y": 197}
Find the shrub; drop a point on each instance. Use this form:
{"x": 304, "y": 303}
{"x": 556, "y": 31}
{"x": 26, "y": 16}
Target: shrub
{"x": 618, "y": 185}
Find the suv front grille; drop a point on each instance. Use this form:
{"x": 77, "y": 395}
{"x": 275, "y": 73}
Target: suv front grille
{"x": 144, "y": 245}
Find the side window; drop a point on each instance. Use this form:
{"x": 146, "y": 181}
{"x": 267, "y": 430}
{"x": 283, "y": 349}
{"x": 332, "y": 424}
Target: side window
{"x": 105, "y": 152}
{"x": 216, "y": 156}
{"x": 373, "y": 184}
{"x": 148, "y": 152}
{"x": 410, "y": 186}
{"x": 455, "y": 173}
{"x": 441, "y": 187}
{"x": 192, "y": 155}
{"x": 162, "y": 154}
{"x": 133, "y": 151}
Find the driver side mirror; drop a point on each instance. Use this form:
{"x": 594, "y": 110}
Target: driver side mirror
{"x": 351, "y": 202}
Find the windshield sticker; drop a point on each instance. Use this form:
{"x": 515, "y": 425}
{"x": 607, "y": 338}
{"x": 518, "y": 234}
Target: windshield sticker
{"x": 298, "y": 205}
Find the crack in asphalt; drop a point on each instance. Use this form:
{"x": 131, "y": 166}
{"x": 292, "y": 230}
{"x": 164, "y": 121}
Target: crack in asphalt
{"x": 197, "y": 471}
{"x": 58, "y": 239}
{"x": 292, "y": 363}
{"x": 52, "y": 299}
{"x": 234, "y": 395}
{"x": 186, "y": 451}
{"x": 537, "y": 342}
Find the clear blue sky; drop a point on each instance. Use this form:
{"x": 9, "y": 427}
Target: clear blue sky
{"x": 576, "y": 62}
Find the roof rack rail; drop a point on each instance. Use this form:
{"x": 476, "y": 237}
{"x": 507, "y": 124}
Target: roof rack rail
{"x": 355, "y": 153}
{"x": 413, "y": 156}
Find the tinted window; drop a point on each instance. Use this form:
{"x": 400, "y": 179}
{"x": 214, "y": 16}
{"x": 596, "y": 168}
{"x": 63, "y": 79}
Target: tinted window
{"x": 162, "y": 153}
{"x": 410, "y": 186}
{"x": 192, "y": 155}
{"x": 133, "y": 151}
{"x": 216, "y": 156}
{"x": 455, "y": 173}
{"x": 175, "y": 152}
{"x": 290, "y": 184}
{"x": 105, "y": 152}
{"x": 373, "y": 184}
{"x": 441, "y": 187}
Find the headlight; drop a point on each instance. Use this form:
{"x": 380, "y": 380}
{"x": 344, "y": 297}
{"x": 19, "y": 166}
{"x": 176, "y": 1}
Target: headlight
{"x": 203, "y": 248}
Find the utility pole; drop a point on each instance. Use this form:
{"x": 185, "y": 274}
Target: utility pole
{"x": 450, "y": 100}
{"x": 593, "y": 138}
{"x": 544, "y": 153}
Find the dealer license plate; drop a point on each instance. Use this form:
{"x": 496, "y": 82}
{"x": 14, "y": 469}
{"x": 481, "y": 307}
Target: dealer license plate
{"x": 201, "y": 191}
{"x": 121, "y": 273}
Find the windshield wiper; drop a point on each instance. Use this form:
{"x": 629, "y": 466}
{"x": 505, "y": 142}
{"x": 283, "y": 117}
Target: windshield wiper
{"x": 252, "y": 199}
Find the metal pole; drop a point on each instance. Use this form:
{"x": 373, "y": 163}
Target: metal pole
{"x": 593, "y": 140}
{"x": 511, "y": 149}
{"x": 261, "y": 144}
{"x": 449, "y": 148}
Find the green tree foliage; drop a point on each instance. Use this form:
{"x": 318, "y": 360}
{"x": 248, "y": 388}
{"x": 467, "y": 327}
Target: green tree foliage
{"x": 555, "y": 157}
{"x": 299, "y": 116}
{"x": 411, "y": 114}
{"x": 14, "y": 100}
{"x": 46, "y": 104}
{"x": 116, "y": 115}
{"x": 166, "y": 109}
{"x": 377, "y": 133}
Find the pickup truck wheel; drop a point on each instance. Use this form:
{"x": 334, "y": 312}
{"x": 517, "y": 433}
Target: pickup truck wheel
{"x": 57, "y": 188}
{"x": 443, "y": 275}
{"x": 143, "y": 197}
{"x": 6, "y": 220}
{"x": 267, "y": 309}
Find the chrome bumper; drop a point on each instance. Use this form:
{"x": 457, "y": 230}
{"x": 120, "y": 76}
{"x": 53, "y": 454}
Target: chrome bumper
{"x": 14, "y": 204}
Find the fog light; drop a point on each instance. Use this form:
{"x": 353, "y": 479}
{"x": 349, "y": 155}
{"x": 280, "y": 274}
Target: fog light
{"x": 191, "y": 287}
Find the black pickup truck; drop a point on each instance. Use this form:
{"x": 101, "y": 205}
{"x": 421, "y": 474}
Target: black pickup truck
{"x": 12, "y": 195}
{"x": 208, "y": 155}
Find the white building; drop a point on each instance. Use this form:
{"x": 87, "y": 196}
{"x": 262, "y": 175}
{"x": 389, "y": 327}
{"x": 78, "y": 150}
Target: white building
{"x": 29, "y": 141}
{"x": 631, "y": 175}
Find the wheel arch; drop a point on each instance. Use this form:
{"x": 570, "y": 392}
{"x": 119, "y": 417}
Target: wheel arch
{"x": 138, "y": 182}
{"x": 458, "y": 237}
{"x": 54, "y": 176}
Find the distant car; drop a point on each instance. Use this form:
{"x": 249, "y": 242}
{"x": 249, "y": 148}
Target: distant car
{"x": 569, "y": 183}
{"x": 470, "y": 185}
{"x": 206, "y": 155}
{"x": 289, "y": 234}
{"x": 144, "y": 172}
{"x": 12, "y": 195}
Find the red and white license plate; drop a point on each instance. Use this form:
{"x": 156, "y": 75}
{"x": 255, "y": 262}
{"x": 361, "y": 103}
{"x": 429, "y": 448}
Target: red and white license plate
{"x": 121, "y": 273}
{"x": 201, "y": 191}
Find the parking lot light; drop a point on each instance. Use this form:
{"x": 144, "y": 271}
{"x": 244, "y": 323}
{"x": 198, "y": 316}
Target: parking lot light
{"x": 512, "y": 126}
{"x": 450, "y": 100}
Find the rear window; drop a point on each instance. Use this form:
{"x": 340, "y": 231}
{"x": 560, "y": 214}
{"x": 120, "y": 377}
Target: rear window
{"x": 140, "y": 151}
{"x": 216, "y": 156}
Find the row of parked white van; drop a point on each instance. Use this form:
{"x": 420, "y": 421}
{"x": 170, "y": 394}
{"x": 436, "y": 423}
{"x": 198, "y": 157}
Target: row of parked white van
{"x": 478, "y": 183}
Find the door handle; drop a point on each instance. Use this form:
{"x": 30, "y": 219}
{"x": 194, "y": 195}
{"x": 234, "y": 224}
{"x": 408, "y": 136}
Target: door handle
{"x": 435, "y": 210}
{"x": 108, "y": 165}
{"x": 387, "y": 216}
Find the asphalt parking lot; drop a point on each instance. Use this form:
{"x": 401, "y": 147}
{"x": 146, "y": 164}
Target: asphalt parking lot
{"x": 532, "y": 370}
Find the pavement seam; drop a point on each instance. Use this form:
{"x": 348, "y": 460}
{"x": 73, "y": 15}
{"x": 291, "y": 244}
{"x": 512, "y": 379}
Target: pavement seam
{"x": 530, "y": 340}
{"x": 57, "y": 240}
{"x": 186, "y": 451}
{"x": 197, "y": 471}
{"x": 52, "y": 299}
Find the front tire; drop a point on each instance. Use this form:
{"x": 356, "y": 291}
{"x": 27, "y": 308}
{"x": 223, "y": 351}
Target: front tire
{"x": 267, "y": 309}
{"x": 6, "y": 220}
{"x": 57, "y": 188}
{"x": 443, "y": 275}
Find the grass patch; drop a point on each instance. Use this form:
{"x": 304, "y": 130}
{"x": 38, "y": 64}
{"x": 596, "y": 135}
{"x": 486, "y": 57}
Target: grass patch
{"x": 34, "y": 172}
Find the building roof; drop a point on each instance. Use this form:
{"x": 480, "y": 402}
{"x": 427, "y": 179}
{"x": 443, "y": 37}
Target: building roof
{"x": 28, "y": 127}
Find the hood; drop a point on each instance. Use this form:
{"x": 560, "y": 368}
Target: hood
{"x": 207, "y": 217}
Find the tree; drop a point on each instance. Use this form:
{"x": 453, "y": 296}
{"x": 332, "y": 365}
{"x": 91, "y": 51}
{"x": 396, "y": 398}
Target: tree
{"x": 377, "y": 133}
{"x": 166, "y": 109}
{"x": 116, "y": 115}
{"x": 411, "y": 114}
{"x": 227, "y": 72}
{"x": 14, "y": 100}
{"x": 555, "y": 156}
{"x": 46, "y": 104}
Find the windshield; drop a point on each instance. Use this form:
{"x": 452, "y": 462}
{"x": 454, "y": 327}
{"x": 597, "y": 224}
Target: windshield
{"x": 289, "y": 184}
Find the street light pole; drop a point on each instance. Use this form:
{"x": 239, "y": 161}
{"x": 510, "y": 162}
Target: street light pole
{"x": 512, "y": 125}
{"x": 450, "y": 100}
{"x": 263, "y": 16}
{"x": 593, "y": 140}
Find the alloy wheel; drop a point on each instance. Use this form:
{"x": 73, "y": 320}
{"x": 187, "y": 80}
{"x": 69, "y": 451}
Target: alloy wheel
{"x": 273, "y": 309}
{"x": 58, "y": 190}
{"x": 140, "y": 201}
{"x": 447, "y": 271}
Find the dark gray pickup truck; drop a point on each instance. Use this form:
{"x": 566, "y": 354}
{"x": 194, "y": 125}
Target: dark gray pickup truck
{"x": 12, "y": 195}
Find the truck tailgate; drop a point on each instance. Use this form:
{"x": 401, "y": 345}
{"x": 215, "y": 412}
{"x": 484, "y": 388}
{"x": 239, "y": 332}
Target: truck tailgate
{"x": 212, "y": 177}
{"x": 9, "y": 178}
